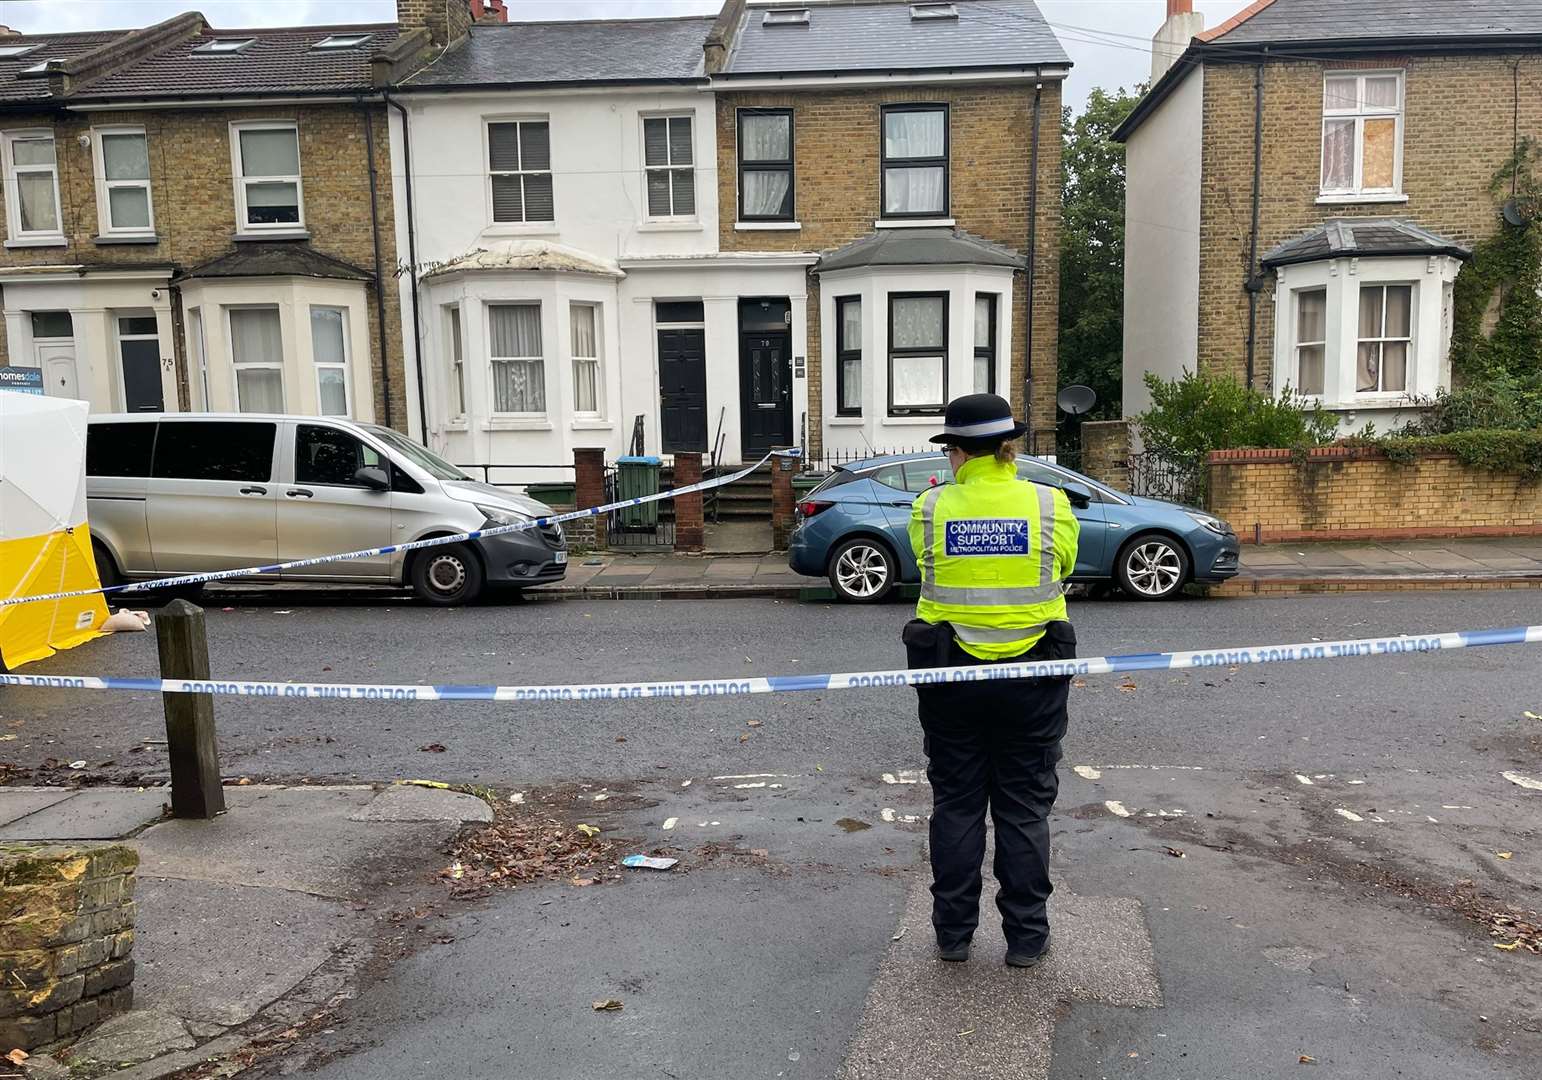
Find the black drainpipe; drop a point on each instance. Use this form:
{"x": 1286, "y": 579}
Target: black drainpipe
{"x": 1033, "y": 245}
{"x": 412, "y": 268}
{"x": 374, "y": 229}
{"x": 1255, "y": 280}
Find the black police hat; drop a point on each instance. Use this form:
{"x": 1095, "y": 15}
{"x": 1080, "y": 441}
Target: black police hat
{"x": 977, "y": 418}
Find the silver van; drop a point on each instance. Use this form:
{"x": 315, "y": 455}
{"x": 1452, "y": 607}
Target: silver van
{"x": 183, "y": 493}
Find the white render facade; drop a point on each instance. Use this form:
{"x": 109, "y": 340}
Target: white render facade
{"x": 550, "y": 322}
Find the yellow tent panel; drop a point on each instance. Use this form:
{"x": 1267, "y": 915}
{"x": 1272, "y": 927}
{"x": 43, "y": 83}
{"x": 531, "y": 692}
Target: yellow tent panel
{"x": 45, "y": 542}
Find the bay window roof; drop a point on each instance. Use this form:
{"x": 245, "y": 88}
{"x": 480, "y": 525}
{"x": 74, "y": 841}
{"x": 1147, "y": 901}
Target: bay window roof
{"x": 919, "y": 247}
{"x": 1363, "y": 237}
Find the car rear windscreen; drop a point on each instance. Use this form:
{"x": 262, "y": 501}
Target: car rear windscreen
{"x": 119, "y": 449}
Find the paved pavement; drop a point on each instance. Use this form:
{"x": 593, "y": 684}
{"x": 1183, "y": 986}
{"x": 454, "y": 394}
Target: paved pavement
{"x": 1316, "y": 909}
{"x": 251, "y": 922}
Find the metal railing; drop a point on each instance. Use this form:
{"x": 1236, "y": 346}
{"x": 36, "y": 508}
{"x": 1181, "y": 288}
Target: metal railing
{"x": 1159, "y": 476}
{"x": 828, "y": 458}
{"x": 486, "y": 469}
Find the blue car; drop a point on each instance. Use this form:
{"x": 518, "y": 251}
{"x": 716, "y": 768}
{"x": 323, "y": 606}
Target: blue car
{"x": 852, "y": 528}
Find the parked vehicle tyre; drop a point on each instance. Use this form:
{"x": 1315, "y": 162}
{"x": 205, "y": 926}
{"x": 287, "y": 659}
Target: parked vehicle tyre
{"x": 862, "y": 571}
{"x": 106, "y": 569}
{"x": 447, "y": 575}
{"x": 1152, "y": 567}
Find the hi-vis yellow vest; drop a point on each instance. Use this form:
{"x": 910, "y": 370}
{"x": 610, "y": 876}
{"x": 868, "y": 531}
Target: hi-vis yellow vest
{"x": 993, "y": 550}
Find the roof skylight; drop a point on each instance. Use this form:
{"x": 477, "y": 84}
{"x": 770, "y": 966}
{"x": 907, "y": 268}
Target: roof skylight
{"x": 341, "y": 41}
{"x": 921, "y": 12}
{"x": 11, "y": 52}
{"x": 786, "y": 17}
{"x": 224, "y": 46}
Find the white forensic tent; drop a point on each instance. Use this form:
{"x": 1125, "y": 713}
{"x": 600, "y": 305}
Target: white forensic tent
{"x": 45, "y": 543}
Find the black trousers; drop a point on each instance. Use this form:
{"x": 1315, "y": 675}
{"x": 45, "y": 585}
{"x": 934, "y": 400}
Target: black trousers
{"x": 991, "y": 745}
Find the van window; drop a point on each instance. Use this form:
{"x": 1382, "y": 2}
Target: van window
{"x": 325, "y": 455}
{"x": 215, "y": 450}
{"x": 119, "y": 449}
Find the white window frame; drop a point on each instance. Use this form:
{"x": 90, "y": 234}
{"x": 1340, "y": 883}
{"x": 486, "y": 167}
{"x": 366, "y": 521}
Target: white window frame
{"x": 243, "y": 224}
{"x": 1360, "y": 114}
{"x": 597, "y": 360}
{"x": 492, "y": 361}
{"x": 455, "y": 349}
{"x": 1297, "y": 344}
{"x": 1411, "y": 355}
{"x": 345, "y": 365}
{"x": 669, "y": 166}
{"x": 524, "y": 224}
{"x": 198, "y": 347}
{"x": 230, "y": 352}
{"x": 18, "y": 237}
{"x": 104, "y": 186}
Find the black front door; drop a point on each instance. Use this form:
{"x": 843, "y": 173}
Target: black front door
{"x": 765, "y": 375}
{"x": 141, "y": 376}
{"x": 683, "y": 390}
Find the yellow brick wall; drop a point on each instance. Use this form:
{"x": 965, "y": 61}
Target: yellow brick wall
{"x": 1459, "y": 125}
{"x": 1338, "y": 493}
{"x": 193, "y": 200}
{"x": 836, "y": 147}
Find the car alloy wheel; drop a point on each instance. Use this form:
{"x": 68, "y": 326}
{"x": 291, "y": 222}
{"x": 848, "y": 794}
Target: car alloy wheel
{"x": 862, "y": 571}
{"x": 1153, "y": 568}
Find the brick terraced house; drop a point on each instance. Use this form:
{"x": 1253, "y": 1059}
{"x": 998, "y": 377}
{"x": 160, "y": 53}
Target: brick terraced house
{"x": 915, "y": 147}
{"x": 1304, "y": 185}
{"x": 202, "y": 219}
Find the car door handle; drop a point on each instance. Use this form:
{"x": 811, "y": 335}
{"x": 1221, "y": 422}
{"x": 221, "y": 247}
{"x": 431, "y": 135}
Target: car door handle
{"x": 904, "y": 503}
{"x": 254, "y": 491}
{"x": 302, "y": 493}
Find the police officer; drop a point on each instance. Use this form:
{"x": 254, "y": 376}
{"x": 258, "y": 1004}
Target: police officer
{"x": 993, "y": 551}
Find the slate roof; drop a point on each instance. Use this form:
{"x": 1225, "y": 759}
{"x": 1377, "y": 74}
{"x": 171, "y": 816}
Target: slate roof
{"x": 919, "y": 247}
{"x": 595, "y": 51}
{"x": 880, "y": 35}
{"x": 51, "y": 47}
{"x": 277, "y": 260}
{"x": 277, "y": 60}
{"x": 1330, "y": 20}
{"x": 1343, "y": 237}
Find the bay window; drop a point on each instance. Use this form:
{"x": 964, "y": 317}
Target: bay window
{"x": 329, "y": 349}
{"x": 257, "y": 354}
{"x": 457, "y": 354}
{"x": 1362, "y": 133}
{"x": 765, "y": 165}
{"x": 1311, "y": 339}
{"x": 918, "y": 353}
{"x": 985, "y": 343}
{"x": 848, "y": 356}
{"x": 915, "y": 161}
{"x": 267, "y": 175}
{"x": 518, "y": 366}
{"x": 1385, "y": 333}
{"x": 586, "y": 358}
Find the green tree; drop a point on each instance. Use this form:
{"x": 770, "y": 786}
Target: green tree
{"x": 1092, "y": 249}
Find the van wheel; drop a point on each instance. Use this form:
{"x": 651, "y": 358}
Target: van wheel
{"x": 106, "y": 569}
{"x": 447, "y": 575}
{"x": 862, "y": 571}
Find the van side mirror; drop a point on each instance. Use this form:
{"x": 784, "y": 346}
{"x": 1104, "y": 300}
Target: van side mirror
{"x": 1079, "y": 494}
{"x": 373, "y": 478}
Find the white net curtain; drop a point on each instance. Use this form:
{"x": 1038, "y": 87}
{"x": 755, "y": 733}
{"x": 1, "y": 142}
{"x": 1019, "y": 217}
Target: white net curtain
{"x": 519, "y": 371}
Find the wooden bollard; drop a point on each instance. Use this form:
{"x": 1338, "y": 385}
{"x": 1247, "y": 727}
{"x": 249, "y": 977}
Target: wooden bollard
{"x": 195, "y": 766}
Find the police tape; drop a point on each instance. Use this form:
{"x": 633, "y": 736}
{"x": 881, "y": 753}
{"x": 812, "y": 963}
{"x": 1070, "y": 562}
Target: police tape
{"x": 1224, "y": 657}
{"x": 411, "y": 545}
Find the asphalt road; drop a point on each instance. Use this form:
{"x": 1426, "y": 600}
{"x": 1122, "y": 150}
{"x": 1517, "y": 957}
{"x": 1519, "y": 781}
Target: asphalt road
{"x": 1338, "y": 828}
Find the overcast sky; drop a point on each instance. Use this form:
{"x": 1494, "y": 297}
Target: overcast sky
{"x": 1109, "y": 40}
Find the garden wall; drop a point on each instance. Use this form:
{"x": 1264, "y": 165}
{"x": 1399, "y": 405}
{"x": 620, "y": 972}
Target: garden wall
{"x": 1357, "y": 493}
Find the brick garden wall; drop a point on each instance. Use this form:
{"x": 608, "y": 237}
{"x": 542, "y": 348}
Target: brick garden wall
{"x": 66, "y": 939}
{"x": 1106, "y": 452}
{"x": 1458, "y": 132}
{"x": 836, "y": 147}
{"x": 193, "y": 201}
{"x": 1349, "y": 493}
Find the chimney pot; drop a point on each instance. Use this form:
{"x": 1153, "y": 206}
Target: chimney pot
{"x": 1179, "y": 7}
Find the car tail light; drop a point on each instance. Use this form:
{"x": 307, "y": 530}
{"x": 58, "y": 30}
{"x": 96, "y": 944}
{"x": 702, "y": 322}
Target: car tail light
{"x": 809, "y": 507}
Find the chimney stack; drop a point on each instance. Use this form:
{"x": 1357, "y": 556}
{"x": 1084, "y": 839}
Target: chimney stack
{"x": 1182, "y": 25}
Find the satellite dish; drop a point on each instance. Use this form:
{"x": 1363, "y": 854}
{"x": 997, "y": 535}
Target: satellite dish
{"x": 1076, "y": 400}
{"x": 1516, "y": 212}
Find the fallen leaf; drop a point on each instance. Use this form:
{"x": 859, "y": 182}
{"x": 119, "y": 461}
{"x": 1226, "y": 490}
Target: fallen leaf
{"x": 1175, "y": 852}
{"x": 1127, "y": 687}
{"x": 77, "y": 764}
{"x": 245, "y": 781}
{"x": 966, "y": 1031}
{"x": 745, "y": 737}
{"x": 1509, "y": 946}
{"x": 589, "y": 830}
{"x": 1080, "y": 684}
{"x": 457, "y": 871}
{"x": 439, "y": 785}
{"x": 17, "y": 1056}
{"x": 900, "y": 934}
{"x": 1132, "y": 1053}
{"x": 582, "y": 882}
{"x": 7, "y": 738}
{"x": 621, "y": 738}
{"x": 1308, "y": 1059}
{"x": 608, "y": 1005}
{"x": 754, "y": 723}
{"x": 444, "y": 939}
{"x": 432, "y": 748}
{"x": 1506, "y": 854}
{"x": 1531, "y": 715}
